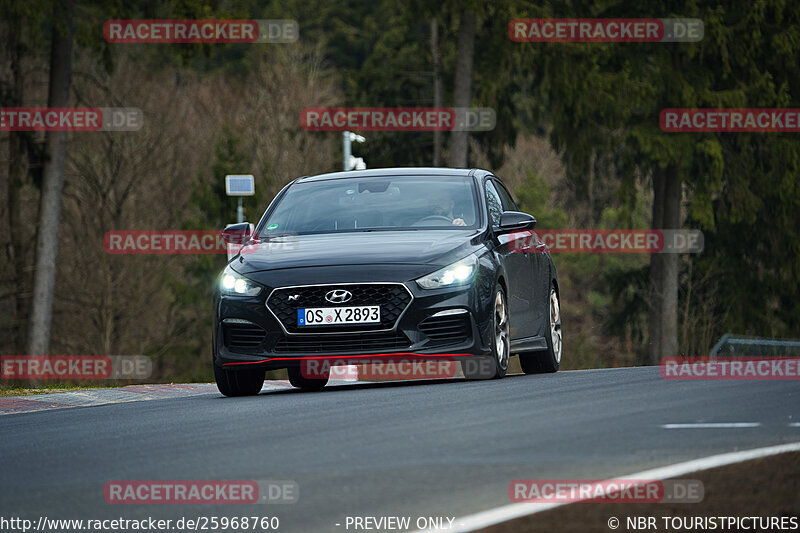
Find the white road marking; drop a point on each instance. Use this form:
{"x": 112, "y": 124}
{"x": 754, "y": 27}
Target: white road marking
{"x": 712, "y": 425}
{"x": 794, "y": 425}
{"x": 505, "y": 513}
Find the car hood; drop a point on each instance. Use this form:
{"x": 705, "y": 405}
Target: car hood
{"x": 423, "y": 247}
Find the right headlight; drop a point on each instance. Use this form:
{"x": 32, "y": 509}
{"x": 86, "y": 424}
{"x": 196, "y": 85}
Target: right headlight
{"x": 233, "y": 284}
{"x": 459, "y": 273}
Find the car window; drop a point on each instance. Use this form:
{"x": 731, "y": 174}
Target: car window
{"x": 375, "y": 204}
{"x": 495, "y": 204}
{"x": 505, "y": 197}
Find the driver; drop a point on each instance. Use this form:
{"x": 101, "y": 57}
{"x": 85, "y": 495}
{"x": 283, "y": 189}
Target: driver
{"x": 443, "y": 206}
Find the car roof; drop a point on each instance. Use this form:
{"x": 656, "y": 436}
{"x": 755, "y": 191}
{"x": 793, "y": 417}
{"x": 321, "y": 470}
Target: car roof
{"x": 396, "y": 171}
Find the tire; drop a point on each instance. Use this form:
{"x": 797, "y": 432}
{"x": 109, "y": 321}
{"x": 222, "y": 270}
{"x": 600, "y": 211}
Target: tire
{"x": 496, "y": 366}
{"x": 548, "y": 360}
{"x": 246, "y": 382}
{"x": 297, "y": 379}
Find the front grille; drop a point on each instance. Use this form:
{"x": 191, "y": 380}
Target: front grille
{"x": 344, "y": 342}
{"x": 393, "y": 299}
{"x": 241, "y": 335}
{"x": 450, "y": 329}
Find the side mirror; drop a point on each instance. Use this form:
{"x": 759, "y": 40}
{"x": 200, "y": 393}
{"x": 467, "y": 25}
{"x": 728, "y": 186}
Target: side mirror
{"x": 236, "y": 233}
{"x": 515, "y": 221}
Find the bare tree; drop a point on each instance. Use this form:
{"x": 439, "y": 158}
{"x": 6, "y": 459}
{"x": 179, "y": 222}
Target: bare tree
{"x": 145, "y": 180}
{"x": 52, "y": 185}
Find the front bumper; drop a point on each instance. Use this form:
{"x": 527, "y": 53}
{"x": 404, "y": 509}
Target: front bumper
{"x": 442, "y": 323}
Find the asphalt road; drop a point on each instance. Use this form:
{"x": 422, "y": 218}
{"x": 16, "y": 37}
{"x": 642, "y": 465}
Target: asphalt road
{"x": 421, "y": 449}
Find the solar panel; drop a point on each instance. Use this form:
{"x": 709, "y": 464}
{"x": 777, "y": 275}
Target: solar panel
{"x": 240, "y": 185}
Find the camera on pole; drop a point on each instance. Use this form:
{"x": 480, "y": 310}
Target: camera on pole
{"x": 351, "y": 162}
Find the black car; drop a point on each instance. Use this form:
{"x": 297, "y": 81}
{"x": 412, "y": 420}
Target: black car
{"x": 400, "y": 263}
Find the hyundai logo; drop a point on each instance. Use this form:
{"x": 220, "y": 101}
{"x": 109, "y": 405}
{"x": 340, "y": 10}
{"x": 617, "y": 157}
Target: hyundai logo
{"x": 339, "y": 296}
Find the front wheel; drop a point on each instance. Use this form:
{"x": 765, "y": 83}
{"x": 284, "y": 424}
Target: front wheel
{"x": 244, "y": 382}
{"x": 496, "y": 366}
{"x": 548, "y": 360}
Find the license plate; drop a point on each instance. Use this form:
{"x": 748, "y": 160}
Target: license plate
{"x": 335, "y": 316}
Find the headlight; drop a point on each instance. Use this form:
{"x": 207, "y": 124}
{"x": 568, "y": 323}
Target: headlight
{"x": 459, "y": 273}
{"x": 233, "y": 284}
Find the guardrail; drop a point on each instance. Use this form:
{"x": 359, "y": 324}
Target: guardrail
{"x": 731, "y": 345}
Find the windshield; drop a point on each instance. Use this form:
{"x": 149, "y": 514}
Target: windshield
{"x": 375, "y": 204}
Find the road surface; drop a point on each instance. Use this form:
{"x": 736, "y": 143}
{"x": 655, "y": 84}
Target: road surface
{"x": 444, "y": 449}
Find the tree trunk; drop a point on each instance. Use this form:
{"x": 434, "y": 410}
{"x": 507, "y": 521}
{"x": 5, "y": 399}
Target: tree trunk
{"x": 462, "y": 90}
{"x": 672, "y": 220}
{"x": 663, "y": 319}
{"x": 437, "y": 89}
{"x": 590, "y": 186}
{"x": 52, "y": 185}
{"x": 656, "y": 269}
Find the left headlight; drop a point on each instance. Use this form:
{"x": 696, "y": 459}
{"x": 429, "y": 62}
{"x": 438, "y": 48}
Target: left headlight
{"x": 459, "y": 273}
{"x": 232, "y": 284}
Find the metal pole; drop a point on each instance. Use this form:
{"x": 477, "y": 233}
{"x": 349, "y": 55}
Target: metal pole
{"x": 346, "y": 149}
{"x": 240, "y": 212}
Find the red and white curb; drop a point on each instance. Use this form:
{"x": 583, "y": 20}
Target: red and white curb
{"x": 131, "y": 393}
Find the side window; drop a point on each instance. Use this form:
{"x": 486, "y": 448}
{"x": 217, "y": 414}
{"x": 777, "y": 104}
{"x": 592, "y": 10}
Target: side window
{"x": 505, "y": 197}
{"x": 494, "y": 202}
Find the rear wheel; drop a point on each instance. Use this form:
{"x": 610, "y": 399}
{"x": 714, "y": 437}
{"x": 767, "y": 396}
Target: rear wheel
{"x": 297, "y": 379}
{"x": 548, "y": 360}
{"x": 240, "y": 382}
{"x": 496, "y": 366}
